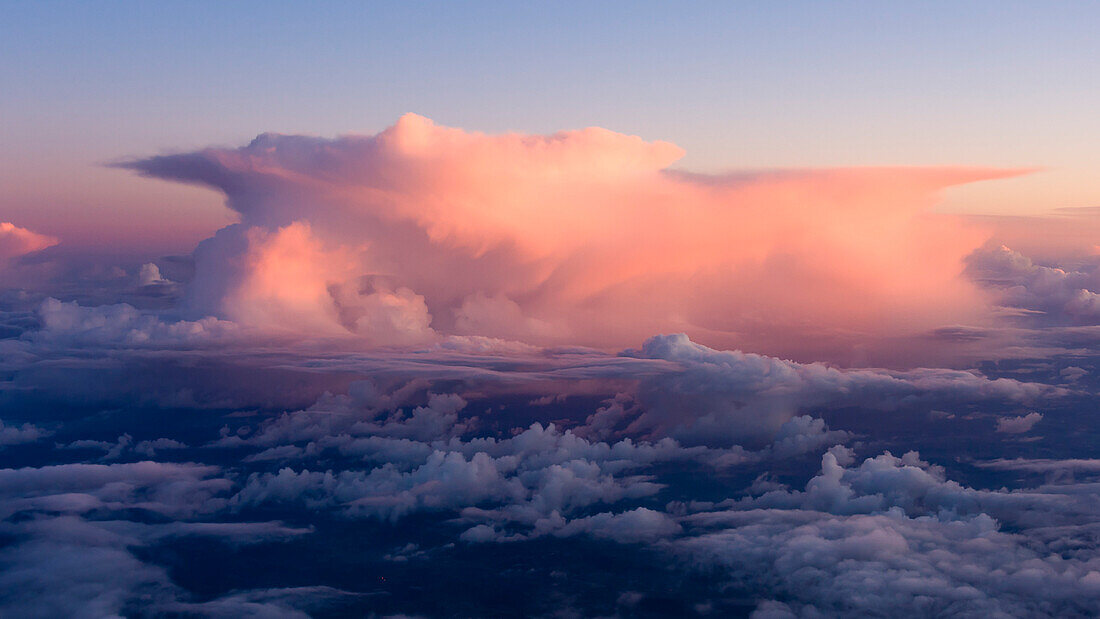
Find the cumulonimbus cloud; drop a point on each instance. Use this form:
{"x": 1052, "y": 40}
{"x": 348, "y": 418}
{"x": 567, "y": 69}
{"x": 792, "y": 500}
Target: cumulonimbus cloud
{"x": 581, "y": 236}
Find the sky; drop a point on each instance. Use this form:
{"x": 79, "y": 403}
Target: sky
{"x": 549, "y": 309}
{"x": 738, "y": 86}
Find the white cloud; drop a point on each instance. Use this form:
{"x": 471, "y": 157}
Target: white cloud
{"x": 123, "y": 325}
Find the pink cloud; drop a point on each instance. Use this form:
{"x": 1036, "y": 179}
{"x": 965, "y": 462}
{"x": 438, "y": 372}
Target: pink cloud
{"x": 16, "y": 241}
{"x": 580, "y": 237}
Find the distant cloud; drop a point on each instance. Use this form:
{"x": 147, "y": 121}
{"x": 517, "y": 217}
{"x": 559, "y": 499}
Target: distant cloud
{"x": 149, "y": 275}
{"x": 123, "y": 325}
{"x": 25, "y": 433}
{"x": 717, "y": 397}
{"x": 1018, "y": 425}
{"x": 1050, "y": 294}
{"x": 893, "y": 534}
{"x": 16, "y": 241}
{"x": 1043, "y": 465}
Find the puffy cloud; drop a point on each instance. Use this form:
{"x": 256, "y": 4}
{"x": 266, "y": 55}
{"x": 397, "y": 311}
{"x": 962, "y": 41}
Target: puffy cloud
{"x": 1049, "y": 294}
{"x": 523, "y": 484}
{"x": 123, "y": 325}
{"x": 718, "y": 397}
{"x": 894, "y": 536}
{"x": 890, "y": 565}
{"x": 287, "y": 279}
{"x": 445, "y": 481}
{"x": 522, "y": 479}
{"x": 149, "y": 275}
{"x": 580, "y": 237}
{"x": 149, "y": 448}
{"x": 1072, "y": 373}
{"x": 804, "y": 434}
{"x": 634, "y": 526}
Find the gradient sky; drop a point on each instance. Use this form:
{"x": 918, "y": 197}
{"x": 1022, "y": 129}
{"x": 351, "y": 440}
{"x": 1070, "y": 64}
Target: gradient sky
{"x": 750, "y": 85}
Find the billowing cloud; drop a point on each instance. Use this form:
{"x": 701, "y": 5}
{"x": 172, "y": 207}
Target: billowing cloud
{"x": 716, "y": 397}
{"x": 1051, "y": 294}
{"x": 580, "y": 237}
{"x": 894, "y": 536}
{"x": 122, "y": 324}
{"x": 17, "y": 435}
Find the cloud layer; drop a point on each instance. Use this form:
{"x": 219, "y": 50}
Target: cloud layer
{"x": 672, "y": 479}
{"x": 379, "y": 391}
